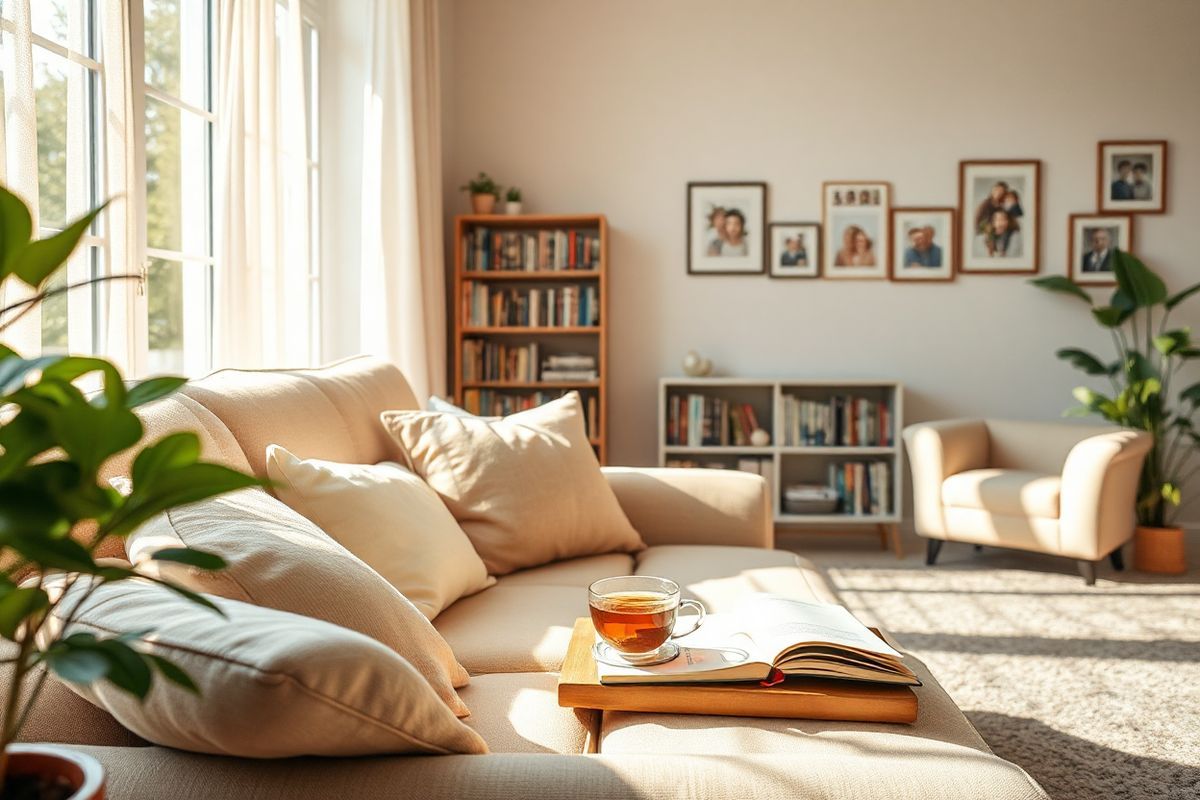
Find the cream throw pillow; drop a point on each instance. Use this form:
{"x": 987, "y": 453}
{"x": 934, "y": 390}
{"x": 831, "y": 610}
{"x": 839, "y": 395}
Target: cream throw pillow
{"x": 389, "y": 518}
{"x": 278, "y": 559}
{"x": 526, "y": 489}
{"x": 272, "y": 684}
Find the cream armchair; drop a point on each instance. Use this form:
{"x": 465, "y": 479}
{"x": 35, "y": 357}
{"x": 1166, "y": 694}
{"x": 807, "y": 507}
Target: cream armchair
{"x": 1051, "y": 487}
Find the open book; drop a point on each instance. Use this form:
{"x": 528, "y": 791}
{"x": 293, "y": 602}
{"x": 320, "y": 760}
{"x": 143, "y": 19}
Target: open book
{"x": 768, "y": 633}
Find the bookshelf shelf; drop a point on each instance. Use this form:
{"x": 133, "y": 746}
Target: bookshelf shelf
{"x": 774, "y": 404}
{"x": 570, "y": 276}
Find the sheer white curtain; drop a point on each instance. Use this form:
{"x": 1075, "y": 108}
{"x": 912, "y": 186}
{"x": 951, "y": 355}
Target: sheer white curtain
{"x": 402, "y": 294}
{"x": 261, "y": 314}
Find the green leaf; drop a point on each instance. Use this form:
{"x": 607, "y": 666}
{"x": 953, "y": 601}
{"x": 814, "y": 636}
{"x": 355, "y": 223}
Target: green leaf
{"x": 173, "y": 673}
{"x": 1137, "y": 281}
{"x": 127, "y": 669}
{"x": 1098, "y": 403}
{"x": 1057, "y": 283}
{"x": 14, "y": 370}
{"x": 1179, "y": 297}
{"x": 174, "y": 487}
{"x": 170, "y": 452}
{"x": 1172, "y": 494}
{"x": 1189, "y": 352}
{"x": 193, "y": 558}
{"x": 18, "y": 605}
{"x": 1140, "y": 368}
{"x": 152, "y": 389}
{"x": 1081, "y": 359}
{"x": 1173, "y": 341}
{"x": 16, "y": 227}
{"x": 38, "y": 260}
{"x": 1191, "y": 394}
{"x": 77, "y": 664}
{"x": 1109, "y": 316}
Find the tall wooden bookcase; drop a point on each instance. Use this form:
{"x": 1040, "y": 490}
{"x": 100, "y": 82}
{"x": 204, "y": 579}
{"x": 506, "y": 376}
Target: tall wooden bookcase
{"x": 551, "y": 340}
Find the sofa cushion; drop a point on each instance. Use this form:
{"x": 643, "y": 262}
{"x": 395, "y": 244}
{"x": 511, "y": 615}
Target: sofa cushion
{"x": 518, "y": 712}
{"x": 271, "y": 684}
{"x": 722, "y": 577}
{"x": 278, "y": 559}
{"x": 578, "y": 572}
{"x": 520, "y": 628}
{"x": 527, "y": 489}
{"x": 389, "y": 518}
{"x": 1004, "y": 491}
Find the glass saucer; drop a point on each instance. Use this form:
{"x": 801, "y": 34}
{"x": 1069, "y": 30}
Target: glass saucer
{"x": 607, "y": 654}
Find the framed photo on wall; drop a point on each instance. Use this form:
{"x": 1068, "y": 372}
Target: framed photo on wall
{"x": 726, "y": 228}
{"x": 924, "y": 246}
{"x": 795, "y": 250}
{"x": 1131, "y": 177}
{"x": 999, "y": 208}
{"x": 856, "y": 240}
{"x": 1092, "y": 240}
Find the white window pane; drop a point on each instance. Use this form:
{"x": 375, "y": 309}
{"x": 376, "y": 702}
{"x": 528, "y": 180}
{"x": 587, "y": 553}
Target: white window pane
{"x": 64, "y": 138}
{"x": 179, "y": 299}
{"x": 62, "y": 21}
{"x": 176, "y": 36}
{"x": 177, "y": 175}
{"x": 66, "y": 318}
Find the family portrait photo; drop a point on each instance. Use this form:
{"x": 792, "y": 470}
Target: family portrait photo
{"x": 726, "y": 228}
{"x": 855, "y": 225}
{"x": 1132, "y": 177}
{"x": 1093, "y": 239}
{"x": 795, "y": 250}
{"x": 999, "y": 202}
{"x": 923, "y": 244}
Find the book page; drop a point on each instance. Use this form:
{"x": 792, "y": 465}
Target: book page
{"x": 718, "y": 650}
{"x": 777, "y": 624}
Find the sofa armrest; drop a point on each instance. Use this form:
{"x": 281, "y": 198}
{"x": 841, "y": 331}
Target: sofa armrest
{"x": 695, "y": 506}
{"x": 1099, "y": 493}
{"x": 937, "y": 450}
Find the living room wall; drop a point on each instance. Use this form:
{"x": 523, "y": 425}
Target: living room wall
{"x": 613, "y": 107}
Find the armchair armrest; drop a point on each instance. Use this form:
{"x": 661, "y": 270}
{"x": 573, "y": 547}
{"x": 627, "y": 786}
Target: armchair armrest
{"x": 937, "y": 450}
{"x": 1099, "y": 493}
{"x": 695, "y": 506}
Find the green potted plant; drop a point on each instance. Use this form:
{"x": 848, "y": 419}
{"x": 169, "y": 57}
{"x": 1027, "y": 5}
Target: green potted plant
{"x": 512, "y": 199}
{"x": 484, "y": 193}
{"x": 55, "y": 511}
{"x": 1148, "y": 354}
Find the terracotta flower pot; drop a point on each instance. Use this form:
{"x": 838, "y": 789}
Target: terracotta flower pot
{"x": 66, "y": 774}
{"x": 483, "y": 203}
{"x": 1159, "y": 550}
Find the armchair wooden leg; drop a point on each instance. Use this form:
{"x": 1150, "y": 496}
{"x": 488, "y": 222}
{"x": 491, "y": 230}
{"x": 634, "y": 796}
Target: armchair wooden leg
{"x": 932, "y": 548}
{"x": 1088, "y": 570}
{"x": 1117, "y": 560}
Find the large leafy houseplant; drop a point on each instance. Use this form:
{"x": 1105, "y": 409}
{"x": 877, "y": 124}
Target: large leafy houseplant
{"x": 55, "y": 509}
{"x": 1149, "y": 354}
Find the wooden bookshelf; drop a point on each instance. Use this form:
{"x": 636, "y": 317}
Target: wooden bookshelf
{"x": 794, "y": 462}
{"x": 551, "y": 340}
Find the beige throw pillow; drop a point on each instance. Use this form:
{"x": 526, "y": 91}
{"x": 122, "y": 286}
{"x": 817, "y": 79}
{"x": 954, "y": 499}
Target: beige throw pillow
{"x": 278, "y": 559}
{"x": 389, "y": 518}
{"x": 272, "y": 684}
{"x": 526, "y": 489}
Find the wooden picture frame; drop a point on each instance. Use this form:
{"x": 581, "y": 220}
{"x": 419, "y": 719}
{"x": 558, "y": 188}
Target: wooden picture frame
{"x": 1148, "y": 154}
{"x": 1118, "y": 228}
{"x": 859, "y": 210}
{"x": 708, "y": 234}
{"x": 808, "y": 235}
{"x": 940, "y": 248}
{"x": 1016, "y": 250}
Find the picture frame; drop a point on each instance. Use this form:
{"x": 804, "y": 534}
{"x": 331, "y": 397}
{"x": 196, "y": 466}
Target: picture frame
{"x": 726, "y": 228}
{"x": 1091, "y": 240}
{"x": 999, "y": 216}
{"x": 924, "y": 244}
{"x": 1131, "y": 176}
{"x": 856, "y": 232}
{"x": 794, "y": 250}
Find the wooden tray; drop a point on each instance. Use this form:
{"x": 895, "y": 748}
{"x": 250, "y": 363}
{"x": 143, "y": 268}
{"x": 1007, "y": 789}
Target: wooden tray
{"x": 796, "y": 698}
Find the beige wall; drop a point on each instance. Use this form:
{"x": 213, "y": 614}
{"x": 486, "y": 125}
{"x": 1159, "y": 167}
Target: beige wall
{"x": 614, "y": 106}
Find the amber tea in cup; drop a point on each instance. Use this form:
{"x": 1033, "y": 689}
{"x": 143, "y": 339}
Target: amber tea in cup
{"x": 635, "y": 615}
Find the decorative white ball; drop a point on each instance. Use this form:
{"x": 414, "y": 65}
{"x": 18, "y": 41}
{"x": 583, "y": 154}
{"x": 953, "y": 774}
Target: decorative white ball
{"x": 760, "y": 438}
{"x": 694, "y": 366}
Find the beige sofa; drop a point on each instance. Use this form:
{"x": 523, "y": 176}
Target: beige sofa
{"x": 1051, "y": 487}
{"x": 709, "y": 530}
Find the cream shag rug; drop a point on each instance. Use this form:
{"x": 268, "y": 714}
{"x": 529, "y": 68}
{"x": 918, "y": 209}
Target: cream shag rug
{"x": 1095, "y": 691}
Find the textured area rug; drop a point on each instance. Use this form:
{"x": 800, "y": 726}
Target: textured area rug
{"x": 1095, "y": 691}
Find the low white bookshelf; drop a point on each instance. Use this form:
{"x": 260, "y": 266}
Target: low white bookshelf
{"x": 786, "y": 462}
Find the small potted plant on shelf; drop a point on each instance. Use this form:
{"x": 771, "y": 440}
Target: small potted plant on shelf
{"x": 55, "y": 511}
{"x": 1149, "y": 354}
{"x": 484, "y": 191}
{"x": 512, "y": 199}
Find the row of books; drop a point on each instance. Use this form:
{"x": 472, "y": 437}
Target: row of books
{"x": 487, "y": 250}
{"x": 863, "y": 488}
{"x": 570, "y": 367}
{"x": 696, "y": 420}
{"x": 840, "y": 421}
{"x": 491, "y": 403}
{"x": 484, "y": 360}
{"x": 561, "y": 307}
